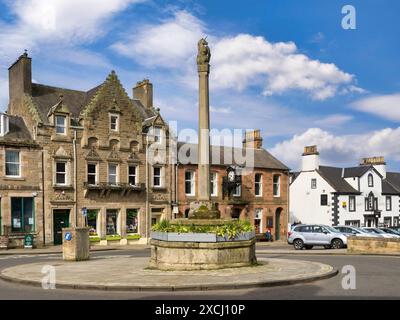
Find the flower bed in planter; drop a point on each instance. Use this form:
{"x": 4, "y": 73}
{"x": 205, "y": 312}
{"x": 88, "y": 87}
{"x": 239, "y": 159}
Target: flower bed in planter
{"x": 229, "y": 231}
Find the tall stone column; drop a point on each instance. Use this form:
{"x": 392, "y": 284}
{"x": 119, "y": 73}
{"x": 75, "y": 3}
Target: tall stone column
{"x": 204, "y": 135}
{"x": 203, "y": 208}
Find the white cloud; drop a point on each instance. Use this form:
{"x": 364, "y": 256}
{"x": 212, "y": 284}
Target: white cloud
{"x": 243, "y": 60}
{"x": 340, "y": 150}
{"x": 220, "y": 110}
{"x": 384, "y": 106}
{"x": 55, "y": 22}
{"x": 237, "y": 61}
{"x": 333, "y": 120}
{"x": 169, "y": 44}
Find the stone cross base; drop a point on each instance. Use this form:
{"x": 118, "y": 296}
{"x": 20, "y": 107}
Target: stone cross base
{"x": 203, "y": 210}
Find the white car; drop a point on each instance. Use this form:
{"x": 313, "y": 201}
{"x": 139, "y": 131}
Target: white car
{"x": 349, "y": 231}
{"x": 307, "y": 236}
{"x": 381, "y": 233}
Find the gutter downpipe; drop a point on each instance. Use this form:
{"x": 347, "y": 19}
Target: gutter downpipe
{"x": 147, "y": 190}
{"x": 75, "y": 181}
{"x": 43, "y": 203}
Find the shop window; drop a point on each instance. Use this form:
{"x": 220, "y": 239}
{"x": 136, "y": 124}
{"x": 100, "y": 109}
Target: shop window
{"x": 22, "y": 215}
{"x": 131, "y": 221}
{"x": 111, "y": 219}
{"x": 92, "y": 216}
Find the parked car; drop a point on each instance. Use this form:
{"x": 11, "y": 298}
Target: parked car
{"x": 396, "y": 228}
{"x": 355, "y": 232}
{"x": 307, "y": 236}
{"x": 390, "y": 231}
{"x": 382, "y": 233}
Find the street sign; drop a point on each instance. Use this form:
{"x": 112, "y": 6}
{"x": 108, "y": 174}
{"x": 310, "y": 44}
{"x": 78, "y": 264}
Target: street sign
{"x": 68, "y": 236}
{"x": 28, "y": 241}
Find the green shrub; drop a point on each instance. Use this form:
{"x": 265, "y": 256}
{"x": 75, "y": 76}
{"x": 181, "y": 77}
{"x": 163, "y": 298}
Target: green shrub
{"x": 133, "y": 236}
{"x": 113, "y": 237}
{"x": 94, "y": 239}
{"x": 230, "y": 229}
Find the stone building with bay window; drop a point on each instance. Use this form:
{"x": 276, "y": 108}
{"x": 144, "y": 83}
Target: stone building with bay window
{"x": 93, "y": 146}
{"x": 262, "y": 197}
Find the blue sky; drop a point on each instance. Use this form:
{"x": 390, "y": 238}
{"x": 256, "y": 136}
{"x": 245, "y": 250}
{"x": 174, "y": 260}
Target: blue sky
{"x": 286, "y": 67}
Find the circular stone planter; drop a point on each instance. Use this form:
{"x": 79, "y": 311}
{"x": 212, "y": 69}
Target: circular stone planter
{"x": 191, "y": 255}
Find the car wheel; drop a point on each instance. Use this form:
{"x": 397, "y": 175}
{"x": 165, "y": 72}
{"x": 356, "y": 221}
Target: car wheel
{"x": 337, "y": 244}
{"x": 328, "y": 246}
{"x": 298, "y": 244}
{"x": 308, "y": 247}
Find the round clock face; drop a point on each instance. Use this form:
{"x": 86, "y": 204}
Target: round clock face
{"x": 231, "y": 176}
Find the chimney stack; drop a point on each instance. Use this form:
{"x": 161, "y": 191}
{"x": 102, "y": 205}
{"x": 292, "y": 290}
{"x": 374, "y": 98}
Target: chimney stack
{"x": 310, "y": 161}
{"x": 377, "y": 162}
{"x": 20, "y": 78}
{"x": 143, "y": 91}
{"x": 253, "y": 139}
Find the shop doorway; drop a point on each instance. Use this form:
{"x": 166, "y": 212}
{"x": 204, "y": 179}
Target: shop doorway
{"x": 60, "y": 221}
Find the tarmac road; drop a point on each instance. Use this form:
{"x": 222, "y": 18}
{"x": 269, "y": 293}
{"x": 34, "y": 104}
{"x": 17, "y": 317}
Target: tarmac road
{"x": 377, "y": 277}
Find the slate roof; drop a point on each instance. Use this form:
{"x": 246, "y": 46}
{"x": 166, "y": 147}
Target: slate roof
{"x": 45, "y": 97}
{"x": 392, "y": 182}
{"x": 356, "y": 171}
{"x": 221, "y": 155}
{"x": 333, "y": 176}
{"x": 18, "y": 133}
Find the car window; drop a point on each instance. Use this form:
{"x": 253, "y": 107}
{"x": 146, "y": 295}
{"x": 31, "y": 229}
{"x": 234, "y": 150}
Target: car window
{"x": 318, "y": 229}
{"x": 303, "y": 229}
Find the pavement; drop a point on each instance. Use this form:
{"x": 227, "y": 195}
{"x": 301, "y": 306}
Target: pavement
{"x": 127, "y": 273}
{"x": 58, "y": 249}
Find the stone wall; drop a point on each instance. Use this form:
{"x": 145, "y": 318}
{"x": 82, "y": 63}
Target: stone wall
{"x": 373, "y": 245}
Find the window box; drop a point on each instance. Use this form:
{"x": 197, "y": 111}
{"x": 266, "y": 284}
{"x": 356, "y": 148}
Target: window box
{"x": 114, "y": 237}
{"x": 133, "y": 236}
{"x": 94, "y": 239}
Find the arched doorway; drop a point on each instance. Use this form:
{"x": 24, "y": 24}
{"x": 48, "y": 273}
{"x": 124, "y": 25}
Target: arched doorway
{"x": 278, "y": 213}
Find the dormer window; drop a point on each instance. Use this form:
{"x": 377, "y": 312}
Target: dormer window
{"x": 4, "y": 126}
{"x": 114, "y": 122}
{"x": 61, "y": 125}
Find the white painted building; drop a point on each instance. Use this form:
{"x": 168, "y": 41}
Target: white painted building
{"x": 365, "y": 195}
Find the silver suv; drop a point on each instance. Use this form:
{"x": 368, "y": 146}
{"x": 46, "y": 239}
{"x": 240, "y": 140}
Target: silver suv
{"x": 307, "y": 236}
